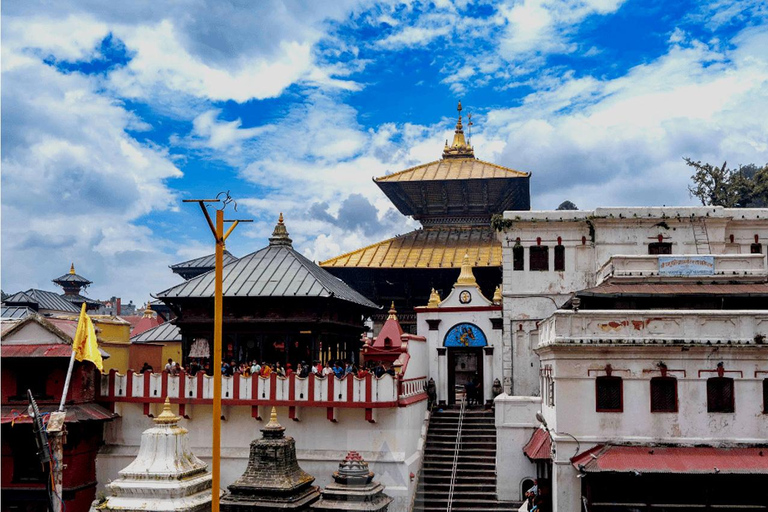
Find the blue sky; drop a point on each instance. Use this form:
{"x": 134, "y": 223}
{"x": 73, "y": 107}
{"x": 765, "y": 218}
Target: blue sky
{"x": 112, "y": 113}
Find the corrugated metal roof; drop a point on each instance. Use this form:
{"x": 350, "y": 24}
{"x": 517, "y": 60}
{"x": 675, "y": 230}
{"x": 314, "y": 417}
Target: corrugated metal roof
{"x": 11, "y": 312}
{"x": 539, "y": 446}
{"x": 79, "y": 299}
{"x": 208, "y": 261}
{"x": 47, "y": 350}
{"x": 75, "y": 413}
{"x": 432, "y": 247}
{"x": 673, "y": 459}
{"x": 453, "y": 169}
{"x": 71, "y": 278}
{"x": 163, "y": 332}
{"x": 44, "y": 300}
{"x": 649, "y": 289}
{"x": 275, "y": 271}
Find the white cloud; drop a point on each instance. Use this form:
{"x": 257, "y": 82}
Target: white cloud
{"x": 222, "y": 135}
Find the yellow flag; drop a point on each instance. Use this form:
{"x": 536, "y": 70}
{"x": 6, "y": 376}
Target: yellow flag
{"x": 85, "y": 345}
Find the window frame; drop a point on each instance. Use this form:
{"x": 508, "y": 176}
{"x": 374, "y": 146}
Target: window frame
{"x": 732, "y": 405}
{"x": 543, "y": 256}
{"x": 659, "y": 246}
{"x": 518, "y": 258}
{"x": 605, "y": 379}
{"x": 756, "y": 248}
{"x": 664, "y": 379}
{"x": 559, "y": 258}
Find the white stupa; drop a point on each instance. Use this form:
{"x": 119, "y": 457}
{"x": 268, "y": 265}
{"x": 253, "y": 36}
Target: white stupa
{"x": 165, "y": 476}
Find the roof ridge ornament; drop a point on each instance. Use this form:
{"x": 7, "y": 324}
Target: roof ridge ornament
{"x": 72, "y": 269}
{"x": 466, "y": 277}
{"x": 459, "y": 148}
{"x": 434, "y": 299}
{"x": 392, "y": 312}
{"x": 280, "y": 234}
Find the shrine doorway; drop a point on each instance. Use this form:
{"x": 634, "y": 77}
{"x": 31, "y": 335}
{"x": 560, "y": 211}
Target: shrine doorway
{"x": 464, "y": 343}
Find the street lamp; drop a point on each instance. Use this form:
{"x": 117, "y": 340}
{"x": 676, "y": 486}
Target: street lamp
{"x": 220, "y": 236}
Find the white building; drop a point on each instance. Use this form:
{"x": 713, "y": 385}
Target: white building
{"x": 657, "y": 362}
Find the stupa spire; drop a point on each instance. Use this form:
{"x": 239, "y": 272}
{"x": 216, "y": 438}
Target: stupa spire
{"x": 392, "y": 312}
{"x": 466, "y": 277}
{"x": 459, "y": 148}
{"x": 72, "y": 269}
{"x": 280, "y": 234}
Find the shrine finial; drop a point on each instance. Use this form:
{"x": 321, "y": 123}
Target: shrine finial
{"x": 167, "y": 417}
{"x": 459, "y": 148}
{"x": 392, "y": 312}
{"x": 466, "y": 277}
{"x": 72, "y": 269}
{"x": 280, "y": 234}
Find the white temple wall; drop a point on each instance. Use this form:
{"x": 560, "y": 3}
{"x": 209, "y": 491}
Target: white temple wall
{"x": 515, "y": 423}
{"x": 391, "y": 446}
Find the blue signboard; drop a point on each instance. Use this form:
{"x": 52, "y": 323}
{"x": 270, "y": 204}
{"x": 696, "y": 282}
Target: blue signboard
{"x": 686, "y": 265}
{"x": 465, "y": 335}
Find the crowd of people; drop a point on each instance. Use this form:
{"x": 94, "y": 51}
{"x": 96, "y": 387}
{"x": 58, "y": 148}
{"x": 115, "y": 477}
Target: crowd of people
{"x": 339, "y": 369}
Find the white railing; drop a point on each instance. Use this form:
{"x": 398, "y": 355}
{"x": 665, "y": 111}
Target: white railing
{"x": 726, "y": 266}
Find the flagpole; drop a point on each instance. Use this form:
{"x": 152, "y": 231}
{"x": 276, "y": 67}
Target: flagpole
{"x": 67, "y": 381}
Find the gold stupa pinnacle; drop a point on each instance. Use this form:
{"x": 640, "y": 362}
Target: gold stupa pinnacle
{"x": 497, "y": 297}
{"x": 167, "y": 417}
{"x": 72, "y": 269}
{"x": 466, "y": 277}
{"x": 434, "y": 299}
{"x": 280, "y": 234}
{"x": 273, "y": 423}
{"x": 392, "y": 312}
{"x": 459, "y": 147}
{"x": 148, "y": 313}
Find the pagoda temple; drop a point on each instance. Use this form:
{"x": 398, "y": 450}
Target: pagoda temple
{"x": 73, "y": 284}
{"x": 278, "y": 307}
{"x": 453, "y": 198}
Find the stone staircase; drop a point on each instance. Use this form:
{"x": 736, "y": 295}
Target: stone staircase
{"x": 475, "y": 486}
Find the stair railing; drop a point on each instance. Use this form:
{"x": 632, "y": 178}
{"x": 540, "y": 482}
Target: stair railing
{"x": 456, "y": 449}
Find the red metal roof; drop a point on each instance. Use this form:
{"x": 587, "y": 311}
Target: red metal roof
{"x": 47, "y": 350}
{"x": 539, "y": 447}
{"x": 673, "y": 459}
{"x": 144, "y": 324}
{"x": 75, "y": 413}
{"x": 640, "y": 289}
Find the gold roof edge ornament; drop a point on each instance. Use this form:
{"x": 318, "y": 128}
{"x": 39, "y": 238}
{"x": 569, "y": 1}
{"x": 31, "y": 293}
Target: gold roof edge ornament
{"x": 280, "y": 234}
{"x": 459, "y": 148}
{"x": 167, "y": 417}
{"x": 497, "y": 296}
{"x": 434, "y": 299}
{"x": 392, "y": 312}
{"x": 466, "y": 277}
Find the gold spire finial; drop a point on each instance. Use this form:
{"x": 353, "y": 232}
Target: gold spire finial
{"x": 497, "y": 297}
{"x": 434, "y": 299}
{"x": 273, "y": 423}
{"x": 72, "y": 269}
{"x": 148, "y": 313}
{"x": 459, "y": 148}
{"x": 167, "y": 417}
{"x": 466, "y": 277}
{"x": 392, "y": 312}
{"x": 280, "y": 234}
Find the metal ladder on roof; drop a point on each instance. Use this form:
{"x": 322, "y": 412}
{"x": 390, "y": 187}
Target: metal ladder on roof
{"x": 456, "y": 450}
{"x": 700, "y": 235}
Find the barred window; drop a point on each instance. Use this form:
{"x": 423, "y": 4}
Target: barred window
{"x": 518, "y": 257}
{"x": 660, "y": 248}
{"x": 720, "y": 394}
{"x": 539, "y": 255}
{"x": 559, "y": 258}
{"x": 609, "y": 394}
{"x": 664, "y": 394}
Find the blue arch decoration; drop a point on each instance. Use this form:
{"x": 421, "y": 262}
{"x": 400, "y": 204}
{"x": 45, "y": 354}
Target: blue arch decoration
{"x": 465, "y": 335}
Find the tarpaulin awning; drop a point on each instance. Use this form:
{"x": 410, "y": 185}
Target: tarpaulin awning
{"x": 673, "y": 459}
{"x": 75, "y": 413}
{"x": 539, "y": 446}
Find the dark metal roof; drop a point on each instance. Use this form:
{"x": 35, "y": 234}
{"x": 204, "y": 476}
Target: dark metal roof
{"x": 75, "y": 413}
{"x": 163, "y": 332}
{"x": 71, "y": 278}
{"x": 672, "y": 459}
{"x": 651, "y": 289}
{"x": 208, "y": 261}
{"x": 275, "y": 271}
{"x": 79, "y": 299}
{"x": 12, "y": 312}
{"x": 43, "y": 299}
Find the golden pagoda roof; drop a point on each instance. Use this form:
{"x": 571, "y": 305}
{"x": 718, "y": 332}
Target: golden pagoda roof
{"x": 432, "y": 247}
{"x": 453, "y": 169}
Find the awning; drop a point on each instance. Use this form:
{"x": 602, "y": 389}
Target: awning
{"x": 673, "y": 459}
{"x": 539, "y": 447}
{"x": 75, "y": 413}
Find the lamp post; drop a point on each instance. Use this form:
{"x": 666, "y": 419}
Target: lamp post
{"x": 220, "y": 236}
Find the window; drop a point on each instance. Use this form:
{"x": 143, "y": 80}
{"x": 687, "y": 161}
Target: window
{"x": 660, "y": 248}
{"x": 609, "y": 394}
{"x": 720, "y": 394}
{"x": 664, "y": 394}
{"x": 765, "y": 396}
{"x": 26, "y": 464}
{"x": 756, "y": 248}
{"x": 559, "y": 258}
{"x": 539, "y": 257}
{"x": 518, "y": 257}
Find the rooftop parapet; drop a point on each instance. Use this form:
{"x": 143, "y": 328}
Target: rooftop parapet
{"x": 684, "y": 267}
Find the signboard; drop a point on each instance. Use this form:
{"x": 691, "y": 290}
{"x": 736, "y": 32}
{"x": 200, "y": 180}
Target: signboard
{"x": 465, "y": 335}
{"x": 686, "y": 265}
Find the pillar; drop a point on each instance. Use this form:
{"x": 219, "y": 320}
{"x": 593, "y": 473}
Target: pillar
{"x": 566, "y": 486}
{"x": 442, "y": 375}
{"x": 488, "y": 373}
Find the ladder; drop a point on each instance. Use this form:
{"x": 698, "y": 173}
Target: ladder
{"x": 700, "y": 236}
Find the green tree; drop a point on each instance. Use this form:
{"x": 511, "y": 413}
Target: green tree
{"x": 745, "y": 187}
{"x": 567, "y": 205}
